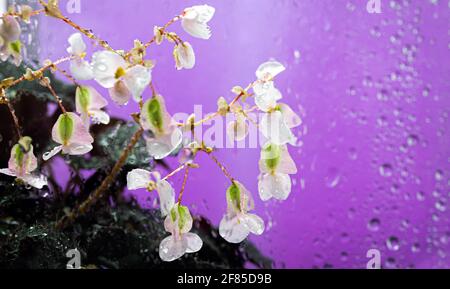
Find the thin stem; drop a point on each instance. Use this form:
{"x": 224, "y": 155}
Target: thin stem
{"x": 100, "y": 191}
{"x": 41, "y": 70}
{"x": 219, "y": 164}
{"x": 6, "y": 101}
{"x": 58, "y": 99}
{"x": 174, "y": 172}
{"x": 68, "y": 76}
{"x": 183, "y": 186}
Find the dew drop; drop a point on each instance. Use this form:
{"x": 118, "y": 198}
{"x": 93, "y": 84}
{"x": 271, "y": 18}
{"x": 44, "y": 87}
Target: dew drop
{"x": 374, "y": 225}
{"x": 333, "y": 177}
{"x": 386, "y": 170}
{"x": 438, "y": 175}
{"x": 393, "y": 243}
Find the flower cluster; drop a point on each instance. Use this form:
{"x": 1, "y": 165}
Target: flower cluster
{"x": 126, "y": 75}
{"x": 275, "y": 164}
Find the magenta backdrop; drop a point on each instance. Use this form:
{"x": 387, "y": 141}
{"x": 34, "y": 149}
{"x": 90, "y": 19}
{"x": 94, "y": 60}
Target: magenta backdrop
{"x": 373, "y": 91}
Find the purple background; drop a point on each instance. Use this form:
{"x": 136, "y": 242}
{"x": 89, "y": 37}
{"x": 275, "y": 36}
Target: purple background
{"x": 373, "y": 91}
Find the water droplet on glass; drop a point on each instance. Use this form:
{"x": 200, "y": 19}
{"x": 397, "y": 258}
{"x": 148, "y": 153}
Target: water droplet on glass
{"x": 386, "y": 170}
{"x": 352, "y": 153}
{"x": 412, "y": 140}
{"x": 333, "y": 177}
{"x": 374, "y": 225}
{"x": 393, "y": 243}
{"x": 438, "y": 175}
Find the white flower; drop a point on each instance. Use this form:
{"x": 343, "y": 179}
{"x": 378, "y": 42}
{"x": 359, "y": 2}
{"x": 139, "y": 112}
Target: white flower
{"x": 184, "y": 56}
{"x": 166, "y": 136}
{"x": 22, "y": 163}
{"x": 275, "y": 165}
{"x": 194, "y": 20}
{"x": 266, "y": 94}
{"x": 237, "y": 129}
{"x": 268, "y": 70}
{"x": 181, "y": 241}
{"x": 72, "y": 134}
{"x": 80, "y": 68}
{"x": 112, "y": 71}
{"x": 143, "y": 179}
{"x": 276, "y": 125}
{"x": 89, "y": 103}
{"x": 237, "y": 223}
{"x": 10, "y": 44}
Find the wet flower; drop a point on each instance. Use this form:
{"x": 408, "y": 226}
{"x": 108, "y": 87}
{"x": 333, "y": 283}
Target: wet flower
{"x": 80, "y": 68}
{"x": 276, "y": 125}
{"x": 72, "y": 134}
{"x": 22, "y": 163}
{"x": 237, "y": 129}
{"x": 179, "y": 223}
{"x": 237, "y": 223}
{"x": 113, "y": 72}
{"x": 266, "y": 94}
{"x": 184, "y": 56}
{"x": 166, "y": 136}
{"x": 89, "y": 103}
{"x": 194, "y": 20}
{"x": 10, "y": 45}
{"x": 275, "y": 165}
{"x": 143, "y": 179}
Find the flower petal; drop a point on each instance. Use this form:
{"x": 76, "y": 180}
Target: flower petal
{"x": 166, "y": 196}
{"x": 37, "y": 181}
{"x": 120, "y": 93}
{"x": 274, "y": 185}
{"x": 194, "y": 20}
{"x": 105, "y": 65}
{"x": 138, "y": 179}
{"x": 232, "y": 230}
{"x": 97, "y": 100}
{"x": 269, "y": 70}
{"x": 81, "y": 135}
{"x": 52, "y": 153}
{"x": 274, "y": 128}
{"x": 287, "y": 164}
{"x": 184, "y": 56}
{"x": 137, "y": 79}
{"x": 171, "y": 249}
{"x": 194, "y": 243}
{"x": 7, "y": 172}
{"x": 10, "y": 29}
{"x": 237, "y": 130}
{"x": 77, "y": 149}
{"x": 81, "y": 69}
{"x": 290, "y": 117}
{"x": 266, "y": 96}
{"x": 77, "y": 45}
{"x": 99, "y": 116}
{"x": 164, "y": 145}
{"x": 69, "y": 128}
{"x": 154, "y": 116}
{"x": 253, "y": 223}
